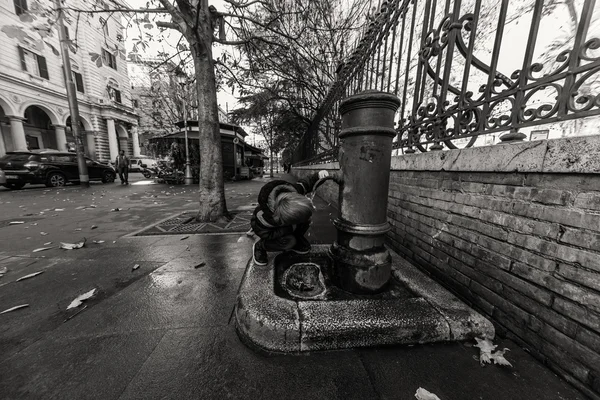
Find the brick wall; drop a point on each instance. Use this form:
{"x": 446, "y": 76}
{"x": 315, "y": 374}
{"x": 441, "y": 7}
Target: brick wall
{"x": 515, "y": 231}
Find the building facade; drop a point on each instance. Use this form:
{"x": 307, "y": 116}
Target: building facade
{"x": 34, "y": 112}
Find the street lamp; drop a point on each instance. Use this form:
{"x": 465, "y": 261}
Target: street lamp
{"x": 189, "y": 179}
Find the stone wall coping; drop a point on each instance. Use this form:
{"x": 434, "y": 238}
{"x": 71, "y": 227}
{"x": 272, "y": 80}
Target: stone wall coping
{"x": 564, "y": 155}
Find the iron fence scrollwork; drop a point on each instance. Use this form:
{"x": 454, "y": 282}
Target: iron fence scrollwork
{"x": 443, "y": 59}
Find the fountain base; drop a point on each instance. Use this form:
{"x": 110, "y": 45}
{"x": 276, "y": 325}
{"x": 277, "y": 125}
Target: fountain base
{"x": 291, "y": 306}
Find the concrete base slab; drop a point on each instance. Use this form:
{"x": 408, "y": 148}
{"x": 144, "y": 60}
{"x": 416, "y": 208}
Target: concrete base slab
{"x": 272, "y": 323}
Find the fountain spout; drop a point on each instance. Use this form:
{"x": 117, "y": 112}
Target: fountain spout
{"x": 362, "y": 262}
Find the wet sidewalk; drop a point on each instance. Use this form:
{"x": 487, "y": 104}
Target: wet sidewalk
{"x": 169, "y": 334}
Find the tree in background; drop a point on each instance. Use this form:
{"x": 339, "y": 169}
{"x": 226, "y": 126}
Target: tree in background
{"x": 272, "y": 119}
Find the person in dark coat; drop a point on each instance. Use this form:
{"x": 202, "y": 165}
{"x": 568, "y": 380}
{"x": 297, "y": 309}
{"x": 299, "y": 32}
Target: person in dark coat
{"x": 282, "y": 217}
{"x": 122, "y": 166}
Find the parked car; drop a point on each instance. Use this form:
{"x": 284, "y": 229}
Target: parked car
{"x": 50, "y": 167}
{"x": 135, "y": 163}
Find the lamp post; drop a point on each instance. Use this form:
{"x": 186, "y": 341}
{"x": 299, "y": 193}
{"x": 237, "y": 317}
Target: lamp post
{"x": 189, "y": 179}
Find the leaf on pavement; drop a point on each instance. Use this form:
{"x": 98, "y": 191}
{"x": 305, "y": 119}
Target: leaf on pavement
{"x": 185, "y": 237}
{"x": 487, "y": 354}
{"x": 72, "y": 246}
{"x": 16, "y": 222}
{"x": 115, "y": 209}
{"x": 29, "y": 276}
{"x": 79, "y": 299}
{"x": 43, "y": 233}
{"x": 202, "y": 264}
{"x": 42, "y": 249}
{"x": 136, "y": 266}
{"x": 3, "y": 270}
{"x": 47, "y": 243}
{"x": 423, "y": 394}
{"x": 98, "y": 241}
{"x": 14, "y": 308}
{"x": 94, "y": 227}
{"x": 499, "y": 359}
{"x": 59, "y": 209}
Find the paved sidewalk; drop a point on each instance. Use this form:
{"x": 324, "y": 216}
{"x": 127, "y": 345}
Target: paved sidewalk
{"x": 165, "y": 330}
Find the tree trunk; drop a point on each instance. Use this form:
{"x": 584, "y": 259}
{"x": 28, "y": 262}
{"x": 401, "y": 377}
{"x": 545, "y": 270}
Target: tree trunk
{"x": 212, "y": 191}
{"x": 271, "y": 163}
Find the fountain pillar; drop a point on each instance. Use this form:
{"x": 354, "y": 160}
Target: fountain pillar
{"x": 362, "y": 262}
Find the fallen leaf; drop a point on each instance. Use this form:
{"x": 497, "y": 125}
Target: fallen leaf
{"x": 42, "y": 249}
{"x": 3, "y": 270}
{"x": 78, "y": 229}
{"x": 59, "y": 209}
{"x": 72, "y": 246}
{"x": 115, "y": 209}
{"x": 499, "y": 359}
{"x": 136, "y": 266}
{"x": 47, "y": 243}
{"x": 79, "y": 299}
{"x": 16, "y": 222}
{"x": 98, "y": 241}
{"x": 183, "y": 238}
{"x": 202, "y": 264}
{"x": 43, "y": 233}
{"x": 29, "y": 276}
{"x": 486, "y": 354}
{"x": 14, "y": 308}
{"x": 93, "y": 227}
{"x": 423, "y": 394}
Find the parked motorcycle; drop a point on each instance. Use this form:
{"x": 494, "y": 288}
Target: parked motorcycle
{"x": 170, "y": 175}
{"x": 149, "y": 172}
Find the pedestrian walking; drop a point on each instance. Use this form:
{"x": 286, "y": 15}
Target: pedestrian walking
{"x": 122, "y": 165}
{"x": 282, "y": 217}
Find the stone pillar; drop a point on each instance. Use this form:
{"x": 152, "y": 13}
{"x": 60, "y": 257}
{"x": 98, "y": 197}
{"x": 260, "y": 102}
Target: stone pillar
{"x": 61, "y": 137}
{"x": 17, "y": 132}
{"x": 136, "y": 141}
{"x": 113, "y": 144}
{"x": 2, "y": 144}
{"x": 90, "y": 144}
{"x": 362, "y": 262}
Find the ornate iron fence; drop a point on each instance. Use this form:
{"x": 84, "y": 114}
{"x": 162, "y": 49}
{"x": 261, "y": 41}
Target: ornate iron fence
{"x": 446, "y": 60}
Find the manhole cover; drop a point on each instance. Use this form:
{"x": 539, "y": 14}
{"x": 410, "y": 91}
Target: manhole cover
{"x": 186, "y": 223}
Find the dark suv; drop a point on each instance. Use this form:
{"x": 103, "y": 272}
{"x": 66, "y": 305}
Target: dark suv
{"x": 51, "y": 167}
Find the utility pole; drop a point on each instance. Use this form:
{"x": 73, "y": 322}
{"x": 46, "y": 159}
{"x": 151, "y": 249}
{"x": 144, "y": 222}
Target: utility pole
{"x": 84, "y": 178}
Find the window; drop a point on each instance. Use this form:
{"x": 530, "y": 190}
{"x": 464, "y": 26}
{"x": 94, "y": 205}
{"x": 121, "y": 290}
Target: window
{"x": 33, "y": 142}
{"x": 109, "y": 59}
{"x": 114, "y": 94}
{"x": 33, "y": 63}
{"x": 136, "y": 104}
{"x": 78, "y": 79}
{"x": 20, "y": 6}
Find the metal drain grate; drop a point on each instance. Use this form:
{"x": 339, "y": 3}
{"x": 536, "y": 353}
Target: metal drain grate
{"x": 185, "y": 223}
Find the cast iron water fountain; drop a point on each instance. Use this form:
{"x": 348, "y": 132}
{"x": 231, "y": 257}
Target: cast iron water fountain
{"x": 354, "y": 292}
